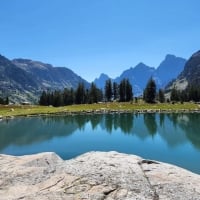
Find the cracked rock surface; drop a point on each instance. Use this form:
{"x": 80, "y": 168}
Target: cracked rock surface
{"x": 94, "y": 175}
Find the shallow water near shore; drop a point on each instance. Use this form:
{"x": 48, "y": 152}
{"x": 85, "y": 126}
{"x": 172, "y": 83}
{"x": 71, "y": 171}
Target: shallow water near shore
{"x": 171, "y": 138}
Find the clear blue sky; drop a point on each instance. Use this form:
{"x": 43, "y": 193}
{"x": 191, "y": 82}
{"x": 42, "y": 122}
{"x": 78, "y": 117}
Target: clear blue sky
{"x": 94, "y": 36}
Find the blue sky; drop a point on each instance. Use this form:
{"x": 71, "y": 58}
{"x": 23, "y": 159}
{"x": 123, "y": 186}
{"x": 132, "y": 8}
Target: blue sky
{"x": 94, "y": 36}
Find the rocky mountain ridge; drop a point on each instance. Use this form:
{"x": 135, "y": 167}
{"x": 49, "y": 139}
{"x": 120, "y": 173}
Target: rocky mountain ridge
{"x": 24, "y": 79}
{"x": 190, "y": 74}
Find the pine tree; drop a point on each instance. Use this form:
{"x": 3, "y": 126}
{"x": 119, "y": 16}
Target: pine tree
{"x": 129, "y": 91}
{"x": 43, "y": 99}
{"x": 150, "y": 91}
{"x": 80, "y": 94}
{"x": 125, "y": 91}
{"x": 122, "y": 91}
{"x": 71, "y": 96}
{"x": 58, "y": 99}
{"x": 115, "y": 91}
{"x": 68, "y": 96}
{"x": 174, "y": 94}
{"x": 93, "y": 94}
{"x": 108, "y": 90}
{"x": 1, "y": 101}
{"x": 194, "y": 93}
{"x": 161, "y": 96}
{"x": 7, "y": 100}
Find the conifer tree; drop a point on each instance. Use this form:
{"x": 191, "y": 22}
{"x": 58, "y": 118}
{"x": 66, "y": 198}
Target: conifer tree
{"x": 93, "y": 94}
{"x": 108, "y": 90}
{"x": 122, "y": 91}
{"x": 174, "y": 94}
{"x": 149, "y": 94}
{"x": 115, "y": 91}
{"x": 129, "y": 91}
{"x": 57, "y": 98}
{"x": 80, "y": 94}
{"x": 43, "y": 99}
{"x": 125, "y": 91}
{"x": 161, "y": 96}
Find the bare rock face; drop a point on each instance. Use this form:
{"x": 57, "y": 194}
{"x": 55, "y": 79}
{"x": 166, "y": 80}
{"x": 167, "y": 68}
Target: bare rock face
{"x": 94, "y": 175}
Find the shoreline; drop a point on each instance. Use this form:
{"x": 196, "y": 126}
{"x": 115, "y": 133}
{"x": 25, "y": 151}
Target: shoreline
{"x": 11, "y": 111}
{"x": 103, "y": 111}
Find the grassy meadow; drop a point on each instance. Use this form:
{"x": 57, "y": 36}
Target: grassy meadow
{"x": 21, "y": 110}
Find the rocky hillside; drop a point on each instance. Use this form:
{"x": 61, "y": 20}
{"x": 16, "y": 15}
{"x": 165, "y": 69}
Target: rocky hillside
{"x": 190, "y": 73}
{"x": 23, "y": 79}
{"x": 95, "y": 175}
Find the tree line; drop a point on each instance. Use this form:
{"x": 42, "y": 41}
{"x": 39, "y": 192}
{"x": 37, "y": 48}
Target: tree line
{"x": 191, "y": 93}
{"x": 70, "y": 96}
{"x": 122, "y": 92}
{"x": 112, "y": 91}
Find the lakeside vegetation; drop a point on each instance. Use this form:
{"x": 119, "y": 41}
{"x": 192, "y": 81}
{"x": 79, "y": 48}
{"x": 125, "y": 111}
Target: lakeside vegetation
{"x": 140, "y": 106}
{"x": 122, "y": 92}
{"x": 115, "y": 98}
{"x": 82, "y": 95}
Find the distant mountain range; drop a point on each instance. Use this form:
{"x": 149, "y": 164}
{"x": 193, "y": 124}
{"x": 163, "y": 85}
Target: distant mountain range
{"x": 138, "y": 76}
{"x": 189, "y": 75}
{"x": 23, "y": 79}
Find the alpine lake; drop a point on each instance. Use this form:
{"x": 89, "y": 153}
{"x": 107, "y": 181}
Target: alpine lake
{"x": 172, "y": 138}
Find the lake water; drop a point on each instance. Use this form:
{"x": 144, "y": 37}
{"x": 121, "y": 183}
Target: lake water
{"x": 171, "y": 138}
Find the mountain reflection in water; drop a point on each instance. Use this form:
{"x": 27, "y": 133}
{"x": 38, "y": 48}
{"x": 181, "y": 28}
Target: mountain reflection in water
{"x": 164, "y": 137}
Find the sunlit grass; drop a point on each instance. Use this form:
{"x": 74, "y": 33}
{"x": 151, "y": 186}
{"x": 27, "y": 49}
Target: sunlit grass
{"x": 8, "y": 111}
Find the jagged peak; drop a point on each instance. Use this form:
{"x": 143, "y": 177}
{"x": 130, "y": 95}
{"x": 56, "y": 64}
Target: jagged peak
{"x": 172, "y": 57}
{"x": 141, "y": 65}
{"x": 103, "y": 75}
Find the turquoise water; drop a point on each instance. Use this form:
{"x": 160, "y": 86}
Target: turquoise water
{"x": 172, "y": 138}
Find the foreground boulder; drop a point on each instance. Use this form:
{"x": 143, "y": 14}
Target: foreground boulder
{"x": 94, "y": 175}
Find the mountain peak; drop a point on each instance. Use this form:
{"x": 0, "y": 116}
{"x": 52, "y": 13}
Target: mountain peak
{"x": 141, "y": 66}
{"x": 170, "y": 56}
{"x": 102, "y": 75}
{"x": 169, "y": 68}
{"x": 100, "y": 82}
{"x": 196, "y": 54}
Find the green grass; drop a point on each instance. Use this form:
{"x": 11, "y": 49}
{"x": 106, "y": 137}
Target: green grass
{"x": 9, "y": 111}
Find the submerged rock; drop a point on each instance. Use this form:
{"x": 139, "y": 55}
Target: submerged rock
{"x": 94, "y": 175}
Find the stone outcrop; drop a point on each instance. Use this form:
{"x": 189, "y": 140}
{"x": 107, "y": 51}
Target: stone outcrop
{"x": 94, "y": 175}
